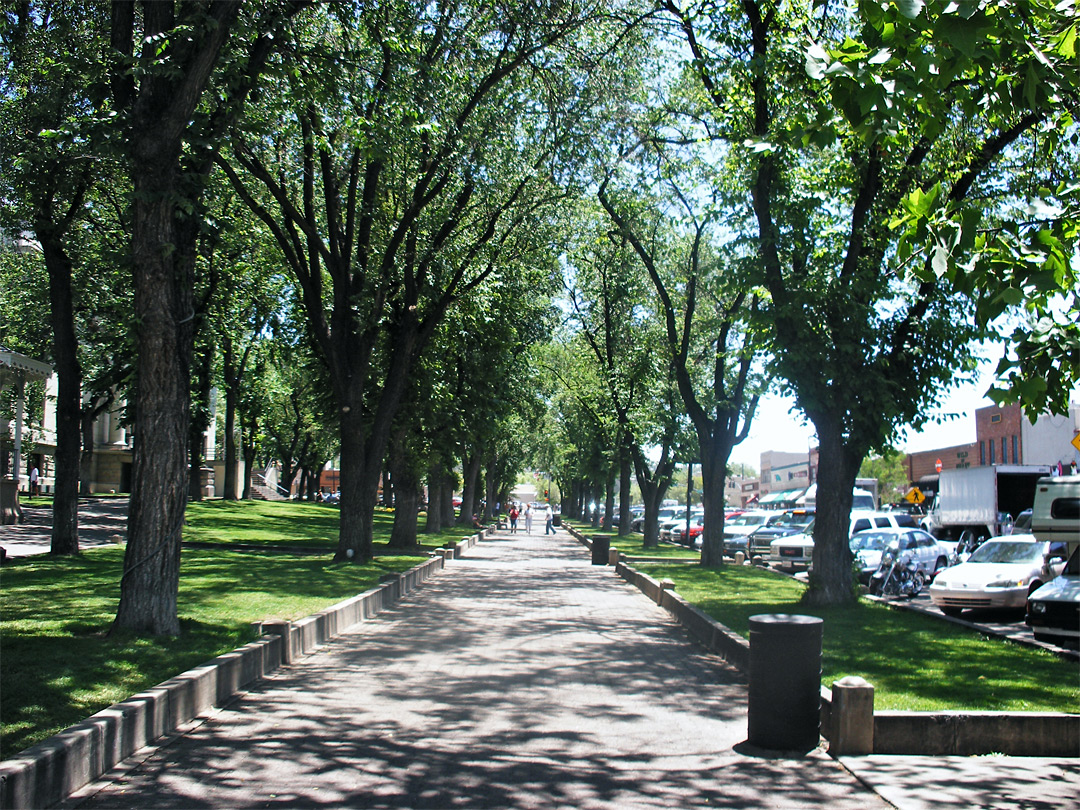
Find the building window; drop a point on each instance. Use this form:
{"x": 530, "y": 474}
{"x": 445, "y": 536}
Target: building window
{"x": 991, "y": 452}
{"x": 1004, "y": 452}
{"x": 1016, "y": 455}
{"x": 982, "y": 454}
{"x": 995, "y": 418}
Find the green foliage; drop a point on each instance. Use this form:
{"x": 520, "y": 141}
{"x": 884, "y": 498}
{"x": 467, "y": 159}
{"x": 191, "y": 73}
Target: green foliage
{"x": 888, "y": 468}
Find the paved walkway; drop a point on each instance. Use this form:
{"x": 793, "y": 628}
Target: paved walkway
{"x": 522, "y": 677}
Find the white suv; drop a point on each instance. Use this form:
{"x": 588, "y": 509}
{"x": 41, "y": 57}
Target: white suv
{"x": 796, "y": 552}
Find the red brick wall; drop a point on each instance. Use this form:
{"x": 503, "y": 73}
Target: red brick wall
{"x": 992, "y": 424}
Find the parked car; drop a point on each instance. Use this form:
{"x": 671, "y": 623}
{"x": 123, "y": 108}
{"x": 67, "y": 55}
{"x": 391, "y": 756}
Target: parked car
{"x": 1001, "y": 573}
{"x": 678, "y": 519}
{"x": 737, "y": 529}
{"x": 930, "y": 555}
{"x": 796, "y": 552}
{"x": 679, "y": 534}
{"x": 665, "y": 513}
{"x": 1053, "y": 611}
{"x": 793, "y": 521}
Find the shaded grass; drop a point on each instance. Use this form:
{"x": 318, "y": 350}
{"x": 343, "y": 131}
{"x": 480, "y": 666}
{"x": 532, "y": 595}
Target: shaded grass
{"x": 59, "y": 664}
{"x": 915, "y": 662}
{"x": 633, "y": 544}
{"x": 289, "y": 523}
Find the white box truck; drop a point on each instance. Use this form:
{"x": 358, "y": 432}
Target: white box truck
{"x": 975, "y": 503}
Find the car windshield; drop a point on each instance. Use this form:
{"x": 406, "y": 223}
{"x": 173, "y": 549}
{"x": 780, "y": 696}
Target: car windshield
{"x": 870, "y": 541}
{"x": 1007, "y": 551}
{"x": 794, "y": 519}
{"x": 748, "y": 520}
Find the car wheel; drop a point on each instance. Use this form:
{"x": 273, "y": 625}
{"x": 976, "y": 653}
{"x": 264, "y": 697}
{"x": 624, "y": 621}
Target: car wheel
{"x": 952, "y": 611}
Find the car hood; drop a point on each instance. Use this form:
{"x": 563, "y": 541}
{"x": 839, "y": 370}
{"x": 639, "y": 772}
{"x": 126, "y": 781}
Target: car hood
{"x": 1061, "y": 589}
{"x": 794, "y": 540}
{"x": 868, "y": 558}
{"x": 976, "y": 575}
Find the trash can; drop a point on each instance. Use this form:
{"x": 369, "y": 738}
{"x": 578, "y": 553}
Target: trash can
{"x": 601, "y": 544}
{"x": 784, "y": 712}
{"x": 556, "y": 520}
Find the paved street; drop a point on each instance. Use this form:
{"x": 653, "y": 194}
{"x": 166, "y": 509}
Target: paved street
{"x": 522, "y": 677}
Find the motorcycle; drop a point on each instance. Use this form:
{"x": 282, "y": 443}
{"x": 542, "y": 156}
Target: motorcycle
{"x": 897, "y": 575}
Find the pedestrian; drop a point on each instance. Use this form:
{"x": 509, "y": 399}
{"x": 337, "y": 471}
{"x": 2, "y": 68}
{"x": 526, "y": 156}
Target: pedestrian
{"x": 1072, "y": 467}
{"x": 513, "y": 518}
{"x": 34, "y": 475}
{"x": 528, "y": 518}
{"x": 549, "y": 527}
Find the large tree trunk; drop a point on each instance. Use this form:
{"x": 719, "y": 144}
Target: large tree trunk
{"x": 163, "y": 307}
{"x": 832, "y": 581}
{"x": 65, "y": 529}
{"x": 713, "y": 472}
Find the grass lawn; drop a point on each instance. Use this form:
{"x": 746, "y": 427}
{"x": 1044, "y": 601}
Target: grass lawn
{"x": 915, "y": 662}
{"x": 288, "y": 523}
{"x": 57, "y": 663}
{"x": 633, "y": 545}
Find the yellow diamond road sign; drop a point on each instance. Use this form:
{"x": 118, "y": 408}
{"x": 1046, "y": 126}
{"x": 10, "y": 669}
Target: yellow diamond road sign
{"x": 1076, "y": 441}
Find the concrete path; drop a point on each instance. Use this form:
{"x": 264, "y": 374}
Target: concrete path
{"x": 522, "y": 677}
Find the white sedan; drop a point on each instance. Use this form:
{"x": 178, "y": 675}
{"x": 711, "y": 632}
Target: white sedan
{"x": 999, "y": 574}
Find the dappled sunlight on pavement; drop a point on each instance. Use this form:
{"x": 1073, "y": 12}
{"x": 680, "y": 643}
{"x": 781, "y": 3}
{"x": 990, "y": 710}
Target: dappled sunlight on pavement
{"x": 520, "y": 677}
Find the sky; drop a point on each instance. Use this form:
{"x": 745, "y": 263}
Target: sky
{"x": 778, "y": 427}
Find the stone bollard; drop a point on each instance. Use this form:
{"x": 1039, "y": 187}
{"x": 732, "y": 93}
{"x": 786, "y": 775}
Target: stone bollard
{"x": 613, "y": 556}
{"x": 278, "y": 627}
{"x": 740, "y": 558}
{"x": 852, "y": 732}
{"x": 784, "y": 711}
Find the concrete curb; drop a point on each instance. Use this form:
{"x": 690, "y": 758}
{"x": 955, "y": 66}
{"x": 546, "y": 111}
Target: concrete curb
{"x": 955, "y": 733}
{"x": 48, "y": 772}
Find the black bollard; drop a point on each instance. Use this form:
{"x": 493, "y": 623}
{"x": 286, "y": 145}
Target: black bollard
{"x": 601, "y": 544}
{"x": 785, "y": 682}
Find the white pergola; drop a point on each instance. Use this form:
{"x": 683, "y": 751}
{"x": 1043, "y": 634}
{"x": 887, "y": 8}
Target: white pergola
{"x": 15, "y": 370}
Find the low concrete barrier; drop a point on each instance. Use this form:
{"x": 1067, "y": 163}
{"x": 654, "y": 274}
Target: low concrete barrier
{"x": 1029, "y": 734}
{"x": 52, "y": 770}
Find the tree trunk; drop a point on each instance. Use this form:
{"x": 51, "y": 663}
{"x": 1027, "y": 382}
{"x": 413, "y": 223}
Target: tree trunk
{"x": 247, "y": 442}
{"x": 232, "y": 383}
{"x": 434, "y": 522}
{"x": 445, "y": 501}
{"x": 713, "y": 473}
{"x": 86, "y": 460}
{"x": 832, "y": 581}
{"x": 163, "y": 308}
{"x": 470, "y": 468}
{"x": 65, "y": 529}
{"x": 624, "y": 493}
{"x": 609, "y": 501}
{"x": 402, "y": 468}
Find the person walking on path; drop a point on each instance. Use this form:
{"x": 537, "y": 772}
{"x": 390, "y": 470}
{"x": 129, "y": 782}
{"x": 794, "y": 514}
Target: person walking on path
{"x": 513, "y": 518}
{"x": 34, "y": 477}
{"x": 549, "y": 523}
{"x": 528, "y": 518}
